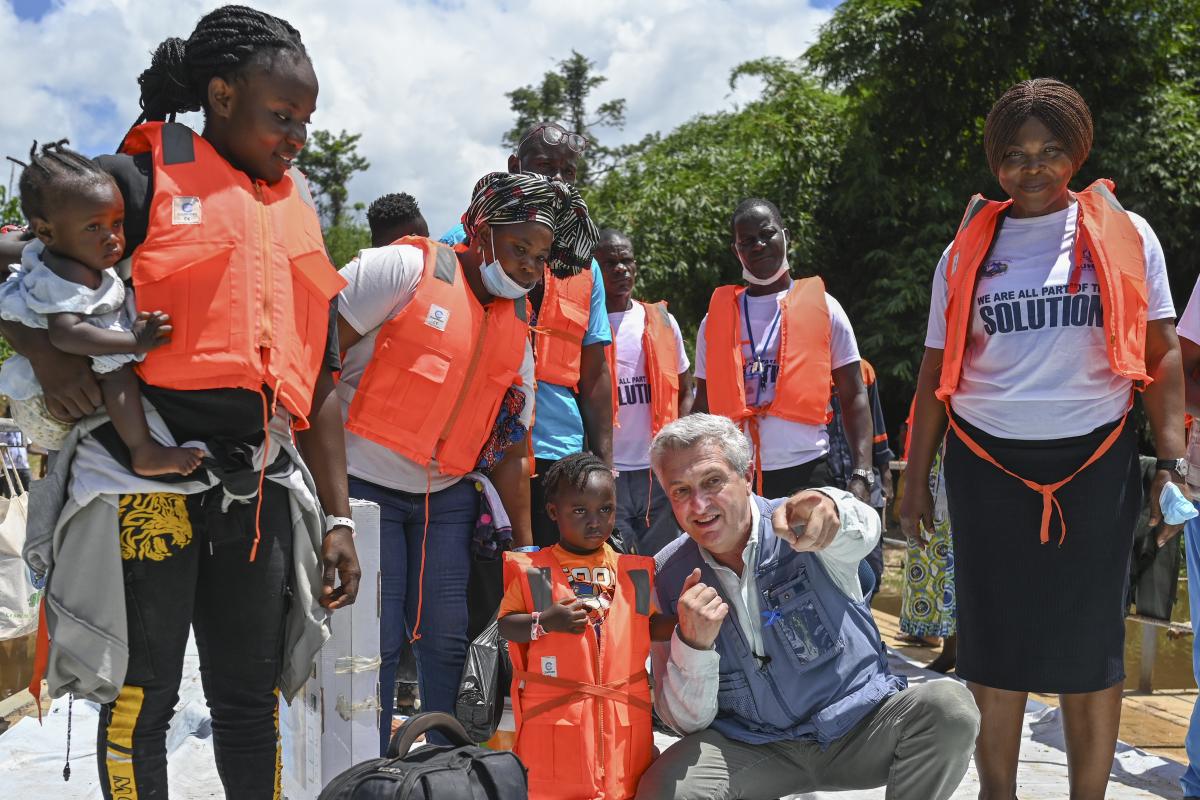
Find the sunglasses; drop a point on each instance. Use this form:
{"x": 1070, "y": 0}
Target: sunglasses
{"x": 554, "y": 135}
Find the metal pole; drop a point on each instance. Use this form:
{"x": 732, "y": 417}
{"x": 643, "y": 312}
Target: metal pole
{"x": 1149, "y": 652}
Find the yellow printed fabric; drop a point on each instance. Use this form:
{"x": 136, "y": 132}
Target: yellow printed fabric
{"x": 153, "y": 527}
{"x": 119, "y": 755}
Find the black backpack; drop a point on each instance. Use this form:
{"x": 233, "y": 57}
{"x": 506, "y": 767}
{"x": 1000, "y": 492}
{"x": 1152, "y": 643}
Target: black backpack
{"x": 458, "y": 771}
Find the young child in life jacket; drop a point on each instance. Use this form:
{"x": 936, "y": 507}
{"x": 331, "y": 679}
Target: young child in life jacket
{"x": 577, "y": 616}
{"x": 66, "y": 284}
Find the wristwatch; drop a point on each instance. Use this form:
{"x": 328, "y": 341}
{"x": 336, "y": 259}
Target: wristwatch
{"x": 1177, "y": 465}
{"x": 867, "y": 475}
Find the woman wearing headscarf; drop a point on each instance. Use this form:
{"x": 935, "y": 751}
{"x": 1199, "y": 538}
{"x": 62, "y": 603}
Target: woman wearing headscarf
{"x": 437, "y": 382}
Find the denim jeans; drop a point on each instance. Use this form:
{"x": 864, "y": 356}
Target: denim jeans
{"x": 441, "y": 596}
{"x": 1191, "y": 533}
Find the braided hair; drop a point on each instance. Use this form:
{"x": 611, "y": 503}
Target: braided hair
{"x": 505, "y": 198}
{"x": 224, "y": 44}
{"x": 53, "y": 169}
{"x": 573, "y": 471}
{"x": 1059, "y": 107}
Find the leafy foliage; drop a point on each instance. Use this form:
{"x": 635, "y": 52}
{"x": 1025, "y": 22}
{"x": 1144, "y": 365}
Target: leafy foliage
{"x": 675, "y": 199}
{"x": 919, "y": 79}
{"x": 562, "y": 97}
{"x": 10, "y": 209}
{"x": 873, "y": 144}
{"x": 329, "y": 162}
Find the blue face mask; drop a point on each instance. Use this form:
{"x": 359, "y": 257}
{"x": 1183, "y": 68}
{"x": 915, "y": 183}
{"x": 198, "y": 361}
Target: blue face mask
{"x": 497, "y": 281}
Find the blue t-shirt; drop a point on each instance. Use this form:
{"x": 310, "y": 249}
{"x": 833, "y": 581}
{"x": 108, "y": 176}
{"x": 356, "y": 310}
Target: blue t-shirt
{"x": 558, "y": 426}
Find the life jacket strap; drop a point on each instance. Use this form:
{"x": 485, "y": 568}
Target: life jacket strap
{"x": 1050, "y": 503}
{"x": 577, "y": 690}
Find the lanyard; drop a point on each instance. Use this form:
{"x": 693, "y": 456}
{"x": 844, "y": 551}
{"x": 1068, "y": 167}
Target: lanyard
{"x": 756, "y": 364}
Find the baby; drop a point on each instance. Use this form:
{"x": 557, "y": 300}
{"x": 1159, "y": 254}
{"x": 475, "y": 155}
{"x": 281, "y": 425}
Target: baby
{"x": 66, "y": 285}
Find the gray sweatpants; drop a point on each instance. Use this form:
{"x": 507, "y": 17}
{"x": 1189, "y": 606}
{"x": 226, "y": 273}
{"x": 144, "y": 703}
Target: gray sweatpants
{"x": 638, "y": 492}
{"x": 918, "y": 743}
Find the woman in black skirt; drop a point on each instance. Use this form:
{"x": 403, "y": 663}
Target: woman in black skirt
{"x": 1047, "y": 311}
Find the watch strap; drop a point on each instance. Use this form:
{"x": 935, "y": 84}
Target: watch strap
{"x": 332, "y": 522}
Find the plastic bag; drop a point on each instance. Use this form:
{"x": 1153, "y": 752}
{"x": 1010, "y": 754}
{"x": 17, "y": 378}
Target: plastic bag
{"x": 19, "y": 599}
{"x": 486, "y": 676}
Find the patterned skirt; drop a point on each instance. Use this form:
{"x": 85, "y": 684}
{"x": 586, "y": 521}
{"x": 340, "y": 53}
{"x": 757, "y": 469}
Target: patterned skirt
{"x": 927, "y": 608}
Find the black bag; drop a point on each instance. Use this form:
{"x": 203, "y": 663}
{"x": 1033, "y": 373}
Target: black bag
{"x": 487, "y": 675}
{"x": 459, "y": 771}
{"x": 1154, "y": 571}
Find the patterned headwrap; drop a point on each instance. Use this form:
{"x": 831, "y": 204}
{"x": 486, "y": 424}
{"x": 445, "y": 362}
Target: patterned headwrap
{"x": 502, "y": 198}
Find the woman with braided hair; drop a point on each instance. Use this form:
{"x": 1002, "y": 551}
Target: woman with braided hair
{"x": 1047, "y": 311}
{"x": 221, "y": 235}
{"x": 438, "y": 383}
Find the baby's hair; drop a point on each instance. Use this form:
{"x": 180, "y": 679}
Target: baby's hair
{"x": 575, "y": 470}
{"x": 1059, "y": 107}
{"x": 744, "y": 207}
{"x": 225, "y": 42}
{"x": 391, "y": 210}
{"x": 51, "y": 169}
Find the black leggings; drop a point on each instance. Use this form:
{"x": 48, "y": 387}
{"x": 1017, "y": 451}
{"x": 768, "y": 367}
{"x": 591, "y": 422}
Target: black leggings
{"x": 187, "y": 564}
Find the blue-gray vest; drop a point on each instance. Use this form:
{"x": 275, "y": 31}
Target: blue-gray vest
{"x": 825, "y": 667}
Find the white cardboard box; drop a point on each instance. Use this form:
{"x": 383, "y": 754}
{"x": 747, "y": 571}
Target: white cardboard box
{"x": 333, "y": 723}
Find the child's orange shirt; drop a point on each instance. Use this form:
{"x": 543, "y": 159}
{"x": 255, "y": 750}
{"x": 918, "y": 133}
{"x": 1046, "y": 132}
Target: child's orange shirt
{"x": 592, "y": 576}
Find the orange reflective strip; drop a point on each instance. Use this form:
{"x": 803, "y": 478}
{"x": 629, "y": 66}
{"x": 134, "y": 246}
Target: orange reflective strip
{"x": 752, "y": 429}
{"x": 1046, "y": 490}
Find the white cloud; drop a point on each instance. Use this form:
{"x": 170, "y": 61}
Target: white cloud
{"x": 423, "y": 82}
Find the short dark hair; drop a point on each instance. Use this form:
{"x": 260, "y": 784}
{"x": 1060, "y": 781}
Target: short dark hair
{"x": 1060, "y": 108}
{"x": 52, "y": 169}
{"x": 575, "y": 470}
{"x": 226, "y": 41}
{"x": 613, "y": 235}
{"x": 744, "y": 207}
{"x": 391, "y": 210}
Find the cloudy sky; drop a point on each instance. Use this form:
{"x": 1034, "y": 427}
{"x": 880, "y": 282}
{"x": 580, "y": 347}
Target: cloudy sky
{"x": 422, "y": 80}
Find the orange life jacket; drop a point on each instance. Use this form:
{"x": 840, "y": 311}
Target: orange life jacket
{"x": 1116, "y": 247}
{"x": 241, "y": 268}
{"x": 581, "y": 702}
{"x": 805, "y": 372}
{"x": 562, "y": 322}
{"x": 440, "y": 368}
{"x": 662, "y": 364}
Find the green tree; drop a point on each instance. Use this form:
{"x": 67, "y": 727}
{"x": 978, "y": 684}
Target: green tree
{"x": 344, "y": 240}
{"x": 10, "y": 209}
{"x": 562, "y": 97}
{"x": 919, "y": 79}
{"x": 675, "y": 198}
{"x": 329, "y": 162}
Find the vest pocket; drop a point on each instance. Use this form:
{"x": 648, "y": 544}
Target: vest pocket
{"x": 191, "y": 282}
{"x": 799, "y": 620}
{"x": 410, "y": 377}
{"x": 554, "y": 740}
{"x": 314, "y": 284}
{"x": 734, "y": 696}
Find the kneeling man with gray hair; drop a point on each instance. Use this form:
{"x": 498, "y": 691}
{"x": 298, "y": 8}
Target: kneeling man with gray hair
{"x": 775, "y": 674}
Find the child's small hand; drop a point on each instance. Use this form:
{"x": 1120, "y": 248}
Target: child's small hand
{"x": 567, "y": 616}
{"x": 151, "y": 329}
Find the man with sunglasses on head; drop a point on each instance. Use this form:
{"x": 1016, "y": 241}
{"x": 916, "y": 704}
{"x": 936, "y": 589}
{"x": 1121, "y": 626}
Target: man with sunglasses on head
{"x": 570, "y": 333}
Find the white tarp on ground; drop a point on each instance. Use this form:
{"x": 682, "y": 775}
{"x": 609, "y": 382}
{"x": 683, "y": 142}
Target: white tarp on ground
{"x": 31, "y": 757}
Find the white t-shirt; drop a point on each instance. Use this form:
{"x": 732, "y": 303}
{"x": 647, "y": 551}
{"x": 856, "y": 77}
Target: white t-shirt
{"x": 1189, "y": 328}
{"x": 381, "y": 282}
{"x": 1036, "y": 366}
{"x": 784, "y": 443}
{"x": 631, "y": 441}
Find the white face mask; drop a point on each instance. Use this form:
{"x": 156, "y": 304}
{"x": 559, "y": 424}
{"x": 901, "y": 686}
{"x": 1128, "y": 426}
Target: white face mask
{"x": 750, "y": 277}
{"x": 498, "y": 282}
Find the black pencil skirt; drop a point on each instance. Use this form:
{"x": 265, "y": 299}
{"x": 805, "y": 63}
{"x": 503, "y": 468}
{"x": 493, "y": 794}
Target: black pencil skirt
{"x": 1042, "y": 617}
